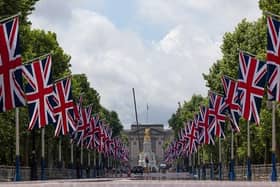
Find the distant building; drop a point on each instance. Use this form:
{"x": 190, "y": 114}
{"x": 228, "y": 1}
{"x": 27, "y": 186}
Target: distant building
{"x": 158, "y": 136}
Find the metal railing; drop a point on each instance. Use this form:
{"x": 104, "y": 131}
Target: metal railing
{"x": 260, "y": 172}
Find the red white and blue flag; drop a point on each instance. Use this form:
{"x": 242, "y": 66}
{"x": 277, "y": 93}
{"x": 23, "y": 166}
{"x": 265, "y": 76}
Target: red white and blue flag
{"x": 107, "y": 139}
{"x": 251, "y": 81}
{"x": 206, "y": 136}
{"x": 192, "y": 137}
{"x": 83, "y": 124}
{"x": 183, "y": 141}
{"x": 217, "y": 113}
{"x": 115, "y": 147}
{"x": 101, "y": 136}
{"x": 273, "y": 59}
{"x": 198, "y": 129}
{"x": 39, "y": 92}
{"x": 11, "y": 90}
{"x": 64, "y": 108}
{"x": 91, "y": 134}
{"x": 232, "y": 100}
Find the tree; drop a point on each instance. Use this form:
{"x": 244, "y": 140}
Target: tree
{"x": 12, "y": 7}
{"x": 37, "y": 42}
{"x": 185, "y": 113}
{"x": 251, "y": 37}
{"x": 81, "y": 87}
{"x": 34, "y": 43}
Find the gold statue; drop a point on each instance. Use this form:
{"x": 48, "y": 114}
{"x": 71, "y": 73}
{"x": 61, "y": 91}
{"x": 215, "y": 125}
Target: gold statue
{"x": 147, "y": 136}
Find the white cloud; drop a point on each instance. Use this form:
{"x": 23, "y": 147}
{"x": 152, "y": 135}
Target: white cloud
{"x": 212, "y": 15}
{"x": 115, "y": 60}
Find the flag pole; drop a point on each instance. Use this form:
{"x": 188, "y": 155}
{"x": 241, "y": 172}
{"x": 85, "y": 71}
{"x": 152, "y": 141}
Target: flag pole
{"x": 246, "y": 52}
{"x": 220, "y": 159}
{"x": 203, "y": 165}
{"x": 37, "y": 58}
{"x": 271, "y": 14}
{"x": 99, "y": 164}
{"x": 72, "y": 156}
{"x": 43, "y": 154}
{"x": 198, "y": 163}
{"x": 194, "y": 164}
{"x": 212, "y": 169}
{"x": 88, "y": 169}
{"x": 249, "y": 172}
{"x": 2, "y": 20}
{"x": 33, "y": 157}
{"x": 59, "y": 152}
{"x": 94, "y": 163}
{"x": 231, "y": 171}
{"x": 274, "y": 170}
{"x": 17, "y": 174}
{"x": 82, "y": 159}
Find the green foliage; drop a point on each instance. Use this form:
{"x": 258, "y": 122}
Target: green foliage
{"x": 250, "y": 37}
{"x": 247, "y": 36}
{"x": 35, "y": 43}
{"x": 81, "y": 87}
{"x": 272, "y": 6}
{"x": 111, "y": 117}
{"x": 124, "y": 138}
{"x": 12, "y": 7}
{"x": 185, "y": 113}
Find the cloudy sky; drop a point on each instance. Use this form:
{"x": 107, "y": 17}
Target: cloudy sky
{"x": 159, "y": 47}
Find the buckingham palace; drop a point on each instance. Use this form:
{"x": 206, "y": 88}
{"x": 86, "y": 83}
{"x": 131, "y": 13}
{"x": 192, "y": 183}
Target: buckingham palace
{"x": 158, "y": 136}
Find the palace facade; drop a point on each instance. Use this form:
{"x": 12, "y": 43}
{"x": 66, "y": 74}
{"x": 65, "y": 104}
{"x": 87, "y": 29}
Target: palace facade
{"x": 158, "y": 134}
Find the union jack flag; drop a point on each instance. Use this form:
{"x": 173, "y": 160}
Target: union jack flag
{"x": 273, "y": 59}
{"x": 251, "y": 82}
{"x": 39, "y": 92}
{"x": 206, "y": 136}
{"x": 192, "y": 137}
{"x": 198, "y": 129}
{"x": 64, "y": 108}
{"x": 182, "y": 140}
{"x": 101, "y": 136}
{"x": 11, "y": 91}
{"x": 90, "y": 137}
{"x": 83, "y": 124}
{"x": 232, "y": 100}
{"x": 115, "y": 147}
{"x": 217, "y": 113}
{"x": 182, "y": 147}
{"x": 107, "y": 139}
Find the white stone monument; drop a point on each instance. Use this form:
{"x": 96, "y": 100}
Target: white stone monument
{"x": 147, "y": 157}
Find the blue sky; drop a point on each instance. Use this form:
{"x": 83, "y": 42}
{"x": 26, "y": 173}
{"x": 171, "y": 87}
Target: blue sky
{"x": 124, "y": 15}
{"x": 159, "y": 47}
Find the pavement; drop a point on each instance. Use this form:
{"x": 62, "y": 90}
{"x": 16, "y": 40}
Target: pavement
{"x": 145, "y": 180}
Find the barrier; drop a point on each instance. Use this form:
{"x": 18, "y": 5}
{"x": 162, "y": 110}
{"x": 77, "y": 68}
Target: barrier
{"x": 260, "y": 172}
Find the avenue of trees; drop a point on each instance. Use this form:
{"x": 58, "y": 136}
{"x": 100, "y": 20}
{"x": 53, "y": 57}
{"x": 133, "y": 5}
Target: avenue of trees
{"x": 34, "y": 43}
{"x": 251, "y": 37}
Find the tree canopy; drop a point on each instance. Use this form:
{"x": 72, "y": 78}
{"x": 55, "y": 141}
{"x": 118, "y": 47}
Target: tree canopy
{"x": 35, "y": 43}
{"x": 250, "y": 37}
